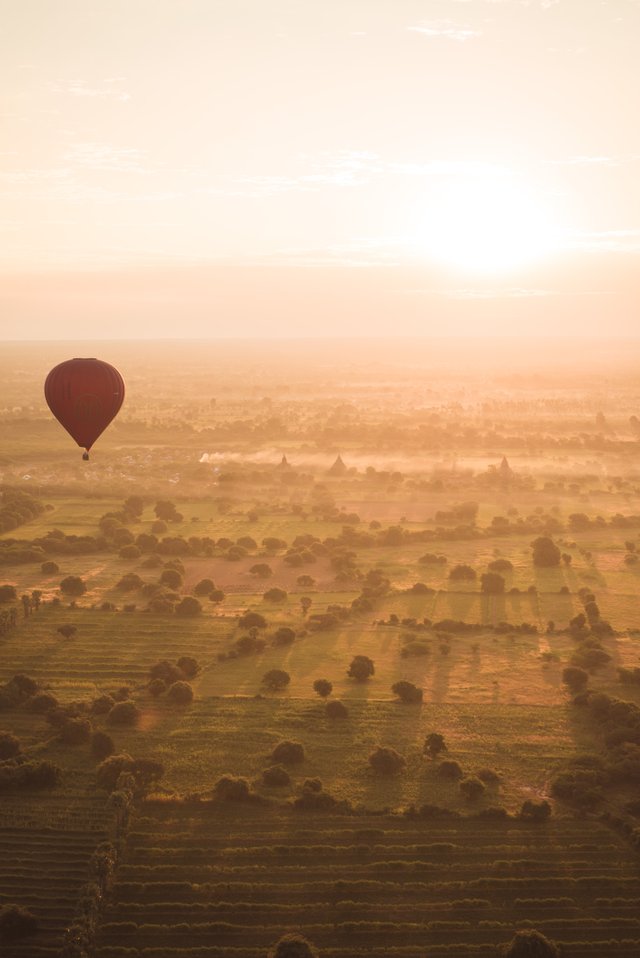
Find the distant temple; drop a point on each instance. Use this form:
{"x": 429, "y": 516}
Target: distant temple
{"x": 338, "y": 468}
{"x": 284, "y": 463}
{"x": 505, "y": 469}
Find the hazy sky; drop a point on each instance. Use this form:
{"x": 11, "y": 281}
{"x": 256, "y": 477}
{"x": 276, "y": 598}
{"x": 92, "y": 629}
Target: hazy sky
{"x": 319, "y": 167}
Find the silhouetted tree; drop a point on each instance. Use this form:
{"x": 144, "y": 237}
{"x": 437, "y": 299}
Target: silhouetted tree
{"x": 323, "y": 687}
{"x": 361, "y": 668}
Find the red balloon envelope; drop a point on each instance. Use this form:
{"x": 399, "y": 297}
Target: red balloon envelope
{"x": 84, "y": 395}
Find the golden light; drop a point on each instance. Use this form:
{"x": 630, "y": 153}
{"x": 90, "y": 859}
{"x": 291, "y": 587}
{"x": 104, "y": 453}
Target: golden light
{"x": 486, "y": 224}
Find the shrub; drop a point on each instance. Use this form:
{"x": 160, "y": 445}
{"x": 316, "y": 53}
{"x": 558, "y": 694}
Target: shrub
{"x": 130, "y": 582}
{"x": 123, "y": 713}
{"x": 73, "y": 585}
{"x": 67, "y": 631}
{"x": 216, "y": 596}
{"x": 361, "y": 668}
{"x": 276, "y": 776}
{"x": 407, "y": 692}
{"x": 288, "y": 753}
{"x": 41, "y": 703}
{"x": 336, "y": 710}
{"x": 275, "y": 680}
{"x": 386, "y": 760}
{"x": 156, "y": 687}
{"x": 323, "y": 687}
{"x": 16, "y": 922}
{"x": 232, "y": 788}
{"x": 180, "y": 693}
{"x": 102, "y": 746}
{"x": 49, "y": 567}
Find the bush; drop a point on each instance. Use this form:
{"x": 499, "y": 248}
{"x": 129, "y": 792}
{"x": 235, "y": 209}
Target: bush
{"x": 41, "y": 703}
{"x": 123, "y": 713}
{"x": 102, "y": 746}
{"x": 16, "y": 922}
{"x": 407, "y": 692}
{"x": 262, "y": 570}
{"x": 361, "y": 668}
{"x": 232, "y": 788}
{"x": 166, "y": 671}
{"x": 171, "y": 578}
{"x": 276, "y": 776}
{"x": 323, "y": 687}
{"x": 110, "y": 770}
{"x": 275, "y": 680}
{"x": 386, "y": 760}
{"x": 500, "y": 565}
{"x": 156, "y": 687}
{"x": 49, "y": 567}
{"x": 130, "y": 552}
{"x": 130, "y": 582}
{"x": 8, "y": 593}
{"x": 288, "y": 753}
{"x": 180, "y": 693}
{"x": 67, "y": 631}
{"x": 73, "y": 585}
{"x": 336, "y": 710}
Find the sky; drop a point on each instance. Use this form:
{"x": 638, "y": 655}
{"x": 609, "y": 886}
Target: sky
{"x": 297, "y": 168}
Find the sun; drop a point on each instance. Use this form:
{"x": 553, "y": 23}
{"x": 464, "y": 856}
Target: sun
{"x": 486, "y": 224}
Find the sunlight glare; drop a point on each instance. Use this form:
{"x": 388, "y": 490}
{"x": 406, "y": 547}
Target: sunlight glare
{"x": 486, "y": 224}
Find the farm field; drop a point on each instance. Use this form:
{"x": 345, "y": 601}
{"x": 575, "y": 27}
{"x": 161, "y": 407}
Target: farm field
{"x": 187, "y": 602}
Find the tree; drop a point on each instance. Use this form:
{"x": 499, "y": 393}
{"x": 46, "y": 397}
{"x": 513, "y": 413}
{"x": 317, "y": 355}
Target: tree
{"x": 275, "y": 595}
{"x": 134, "y": 505}
{"x": 189, "y": 606}
{"x": 491, "y": 583}
{"x": 575, "y": 677}
{"x": 283, "y": 636}
{"x": 529, "y": 943}
{"x": 323, "y": 687}
{"x": 276, "y": 776}
{"x": 73, "y": 585}
{"x": 293, "y": 945}
{"x": 171, "y": 578}
{"x": 188, "y": 666}
{"x": 130, "y": 582}
{"x": 17, "y": 922}
{"x": 434, "y": 744}
{"x": 166, "y": 510}
{"x": 336, "y": 710}
{"x": 472, "y": 788}
{"x": 535, "y": 811}
{"x": 546, "y": 554}
{"x": 204, "y": 588}
{"x": 262, "y": 570}
{"x": 305, "y": 604}
{"x": 275, "y": 680}
{"x": 462, "y": 573}
{"x": 232, "y": 788}
{"x": 252, "y": 620}
{"x": 49, "y": 567}
{"x": 407, "y": 692}
{"x": 123, "y": 713}
{"x": 180, "y": 693}
{"x": 102, "y": 746}
{"x": 9, "y": 746}
{"x": 67, "y": 631}
{"x": 386, "y": 760}
{"x": 361, "y": 668}
{"x": 8, "y": 593}
{"x": 288, "y": 753}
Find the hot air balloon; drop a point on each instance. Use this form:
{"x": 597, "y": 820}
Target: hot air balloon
{"x": 84, "y": 395}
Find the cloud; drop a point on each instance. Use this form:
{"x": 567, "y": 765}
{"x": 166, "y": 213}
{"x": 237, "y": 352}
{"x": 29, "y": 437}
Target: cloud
{"x": 80, "y": 88}
{"x": 608, "y": 241}
{"x": 446, "y": 29}
{"x": 102, "y": 156}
